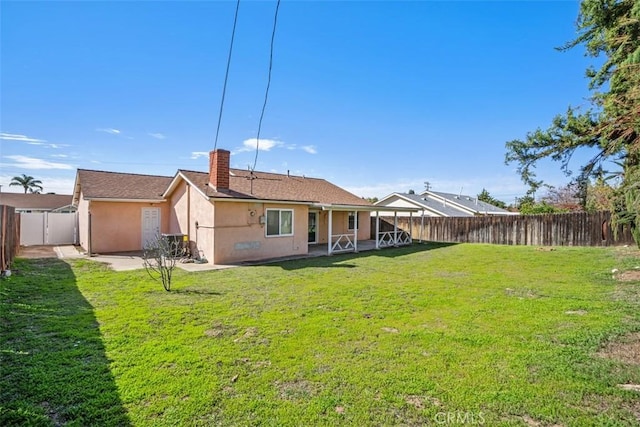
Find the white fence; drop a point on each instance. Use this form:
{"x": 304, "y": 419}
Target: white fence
{"x": 47, "y": 228}
{"x": 393, "y": 238}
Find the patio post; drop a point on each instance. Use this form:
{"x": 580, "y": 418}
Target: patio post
{"x": 422, "y": 226}
{"x": 395, "y": 228}
{"x": 377, "y": 229}
{"x": 411, "y": 227}
{"x": 330, "y": 228}
{"x": 355, "y": 232}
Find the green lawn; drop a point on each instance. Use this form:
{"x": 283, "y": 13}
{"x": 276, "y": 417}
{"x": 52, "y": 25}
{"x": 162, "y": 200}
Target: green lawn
{"x": 429, "y": 334}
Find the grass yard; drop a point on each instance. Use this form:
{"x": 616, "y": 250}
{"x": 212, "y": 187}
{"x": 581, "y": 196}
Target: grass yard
{"x": 424, "y": 335}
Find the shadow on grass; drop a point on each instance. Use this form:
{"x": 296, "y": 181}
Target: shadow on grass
{"x": 338, "y": 260}
{"x": 53, "y": 367}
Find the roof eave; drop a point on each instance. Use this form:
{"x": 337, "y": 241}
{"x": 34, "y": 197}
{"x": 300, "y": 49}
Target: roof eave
{"x": 249, "y": 200}
{"x": 371, "y": 208}
{"x": 174, "y": 183}
{"x": 112, "y": 199}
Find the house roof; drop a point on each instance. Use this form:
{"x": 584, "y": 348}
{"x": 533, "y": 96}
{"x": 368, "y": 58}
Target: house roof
{"x": 35, "y": 201}
{"x": 467, "y": 202}
{"x": 119, "y": 186}
{"x": 273, "y": 186}
{"x": 435, "y": 205}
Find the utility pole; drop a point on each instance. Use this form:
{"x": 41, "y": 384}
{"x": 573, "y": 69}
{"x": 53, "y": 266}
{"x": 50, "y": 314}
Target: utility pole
{"x": 427, "y": 185}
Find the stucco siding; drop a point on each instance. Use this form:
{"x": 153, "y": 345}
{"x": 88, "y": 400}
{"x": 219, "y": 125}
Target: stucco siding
{"x": 340, "y": 225}
{"x": 188, "y": 207}
{"x": 240, "y": 235}
{"x": 117, "y": 226}
{"x": 202, "y": 237}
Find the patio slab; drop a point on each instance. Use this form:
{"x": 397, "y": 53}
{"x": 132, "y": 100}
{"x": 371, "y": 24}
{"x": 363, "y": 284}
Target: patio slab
{"x": 128, "y": 261}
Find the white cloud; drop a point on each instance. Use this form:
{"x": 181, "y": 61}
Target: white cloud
{"x": 111, "y": 131}
{"x": 28, "y": 140}
{"x": 24, "y": 162}
{"x": 249, "y": 145}
{"x": 309, "y": 149}
{"x": 197, "y": 154}
{"x": 264, "y": 145}
{"x": 157, "y": 135}
{"x": 60, "y": 156}
{"x": 21, "y": 138}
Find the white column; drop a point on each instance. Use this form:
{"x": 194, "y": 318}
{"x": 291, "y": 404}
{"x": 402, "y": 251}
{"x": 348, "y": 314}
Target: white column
{"x": 355, "y": 232}
{"x": 377, "y": 229}
{"x": 422, "y": 226}
{"x": 395, "y": 228}
{"x": 411, "y": 226}
{"x": 329, "y": 242}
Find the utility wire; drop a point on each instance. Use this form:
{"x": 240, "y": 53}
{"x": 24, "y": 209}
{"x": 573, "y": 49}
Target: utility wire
{"x": 226, "y": 75}
{"x": 266, "y": 93}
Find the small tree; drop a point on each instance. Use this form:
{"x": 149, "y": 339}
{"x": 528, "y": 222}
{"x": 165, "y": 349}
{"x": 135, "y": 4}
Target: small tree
{"x": 484, "y": 196}
{"x": 565, "y": 198}
{"x": 159, "y": 259}
{"x": 600, "y": 196}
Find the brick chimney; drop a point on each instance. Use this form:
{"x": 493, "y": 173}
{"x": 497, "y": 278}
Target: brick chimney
{"x": 219, "y": 169}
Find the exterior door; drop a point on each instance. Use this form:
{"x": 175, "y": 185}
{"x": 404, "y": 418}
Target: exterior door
{"x": 150, "y": 225}
{"x": 313, "y": 227}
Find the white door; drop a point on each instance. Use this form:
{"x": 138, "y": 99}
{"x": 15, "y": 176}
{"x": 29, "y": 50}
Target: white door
{"x": 150, "y": 225}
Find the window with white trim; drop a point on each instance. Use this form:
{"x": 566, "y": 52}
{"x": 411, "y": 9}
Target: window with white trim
{"x": 279, "y": 222}
{"x": 352, "y": 221}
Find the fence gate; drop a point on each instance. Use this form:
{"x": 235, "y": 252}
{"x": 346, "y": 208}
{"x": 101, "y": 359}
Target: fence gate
{"x": 48, "y": 228}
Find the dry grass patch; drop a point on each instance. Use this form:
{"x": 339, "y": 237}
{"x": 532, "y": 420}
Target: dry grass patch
{"x": 625, "y": 350}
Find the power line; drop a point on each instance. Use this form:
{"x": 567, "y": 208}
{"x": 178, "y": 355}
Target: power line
{"x": 226, "y": 75}
{"x": 266, "y": 93}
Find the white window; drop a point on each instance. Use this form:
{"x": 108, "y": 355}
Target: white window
{"x": 279, "y": 222}
{"x": 352, "y": 221}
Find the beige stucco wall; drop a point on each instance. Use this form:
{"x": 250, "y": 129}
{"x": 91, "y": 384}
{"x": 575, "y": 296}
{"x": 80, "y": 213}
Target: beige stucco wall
{"x": 116, "y": 226}
{"x": 239, "y": 236}
{"x": 189, "y": 206}
{"x": 230, "y": 231}
{"x": 340, "y": 224}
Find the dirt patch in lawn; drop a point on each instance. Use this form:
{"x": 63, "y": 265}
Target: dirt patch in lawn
{"x": 629, "y": 276}
{"x": 33, "y": 252}
{"x": 297, "y": 389}
{"x": 625, "y": 350}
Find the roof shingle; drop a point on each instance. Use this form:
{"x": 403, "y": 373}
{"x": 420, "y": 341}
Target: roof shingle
{"x": 126, "y": 186}
{"x": 35, "y": 201}
{"x": 263, "y": 186}
{"x": 273, "y": 186}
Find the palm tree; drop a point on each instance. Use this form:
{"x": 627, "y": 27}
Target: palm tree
{"x": 29, "y": 183}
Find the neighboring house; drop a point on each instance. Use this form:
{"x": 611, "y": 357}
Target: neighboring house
{"x": 433, "y": 203}
{"x": 32, "y": 203}
{"x": 228, "y": 215}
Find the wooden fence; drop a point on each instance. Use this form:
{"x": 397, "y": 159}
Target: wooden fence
{"x": 9, "y": 236}
{"x": 570, "y": 229}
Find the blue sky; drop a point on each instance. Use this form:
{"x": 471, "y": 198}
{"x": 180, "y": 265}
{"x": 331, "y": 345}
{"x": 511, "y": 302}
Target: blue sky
{"x": 374, "y": 96}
